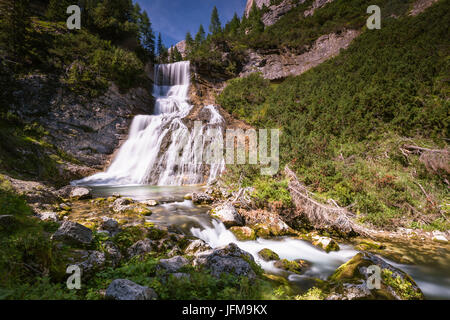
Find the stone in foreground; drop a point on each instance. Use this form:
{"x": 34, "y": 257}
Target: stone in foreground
{"x": 122, "y": 289}
{"x": 227, "y": 259}
{"x": 354, "y": 280}
{"x": 73, "y": 233}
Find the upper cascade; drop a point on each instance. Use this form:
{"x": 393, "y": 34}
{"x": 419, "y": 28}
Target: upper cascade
{"x": 164, "y": 148}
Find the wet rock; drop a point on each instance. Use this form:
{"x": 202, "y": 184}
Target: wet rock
{"x": 80, "y": 193}
{"x": 354, "y": 280}
{"x": 188, "y": 196}
{"x": 172, "y": 265}
{"x": 65, "y": 207}
{"x": 150, "y": 203}
{"x": 202, "y": 198}
{"x": 196, "y": 247}
{"x": 268, "y": 255}
{"x": 73, "y": 233}
{"x": 243, "y": 233}
{"x": 296, "y": 266}
{"x": 227, "y": 259}
{"x": 369, "y": 245}
{"x": 228, "y": 215}
{"x": 325, "y": 243}
{"x": 141, "y": 247}
{"x": 121, "y": 205}
{"x": 122, "y": 289}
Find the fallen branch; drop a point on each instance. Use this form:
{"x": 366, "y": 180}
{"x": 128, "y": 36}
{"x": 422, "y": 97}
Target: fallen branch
{"x": 319, "y": 215}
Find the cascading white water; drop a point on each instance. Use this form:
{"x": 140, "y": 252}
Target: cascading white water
{"x": 323, "y": 264}
{"x": 164, "y": 149}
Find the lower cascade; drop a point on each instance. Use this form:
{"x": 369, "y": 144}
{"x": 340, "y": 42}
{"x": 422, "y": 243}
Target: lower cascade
{"x": 166, "y": 148}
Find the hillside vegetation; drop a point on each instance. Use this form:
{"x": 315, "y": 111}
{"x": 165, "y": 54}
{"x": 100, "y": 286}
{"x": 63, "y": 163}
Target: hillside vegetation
{"x": 345, "y": 123}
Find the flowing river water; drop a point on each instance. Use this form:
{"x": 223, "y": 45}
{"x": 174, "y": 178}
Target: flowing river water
{"x": 162, "y": 154}
{"x": 427, "y": 265}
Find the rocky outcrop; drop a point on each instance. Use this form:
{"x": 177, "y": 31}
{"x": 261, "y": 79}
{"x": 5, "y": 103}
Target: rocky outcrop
{"x": 284, "y": 64}
{"x": 420, "y": 6}
{"x": 122, "y": 289}
{"x": 259, "y": 4}
{"x": 88, "y": 130}
{"x": 277, "y": 11}
{"x": 316, "y": 5}
{"x": 350, "y": 281}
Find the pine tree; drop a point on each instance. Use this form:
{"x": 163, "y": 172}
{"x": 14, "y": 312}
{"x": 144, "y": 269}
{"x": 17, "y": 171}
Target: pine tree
{"x": 254, "y": 23}
{"x": 176, "y": 55}
{"x": 200, "y": 36}
{"x": 232, "y": 27}
{"x": 15, "y": 26}
{"x": 215, "y": 27}
{"x": 147, "y": 36}
{"x": 57, "y": 10}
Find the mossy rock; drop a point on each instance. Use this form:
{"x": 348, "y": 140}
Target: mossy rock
{"x": 350, "y": 280}
{"x": 296, "y": 266}
{"x": 325, "y": 243}
{"x": 144, "y": 211}
{"x": 268, "y": 255}
{"x": 365, "y": 244}
{"x": 188, "y": 197}
{"x": 243, "y": 233}
{"x": 63, "y": 214}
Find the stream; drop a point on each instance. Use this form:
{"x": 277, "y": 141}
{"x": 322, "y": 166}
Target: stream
{"x": 429, "y": 267}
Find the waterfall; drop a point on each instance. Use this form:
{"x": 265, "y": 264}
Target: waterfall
{"x": 166, "y": 148}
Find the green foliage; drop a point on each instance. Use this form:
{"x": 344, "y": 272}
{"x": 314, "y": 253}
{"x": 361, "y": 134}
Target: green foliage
{"x": 271, "y": 190}
{"x": 343, "y": 122}
{"x": 56, "y": 10}
{"x": 26, "y": 253}
{"x": 15, "y": 29}
{"x": 215, "y": 26}
{"x": 199, "y": 286}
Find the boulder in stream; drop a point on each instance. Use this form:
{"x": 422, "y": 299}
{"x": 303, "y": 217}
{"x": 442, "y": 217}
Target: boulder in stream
{"x": 228, "y": 215}
{"x": 357, "y": 279}
{"x": 227, "y": 259}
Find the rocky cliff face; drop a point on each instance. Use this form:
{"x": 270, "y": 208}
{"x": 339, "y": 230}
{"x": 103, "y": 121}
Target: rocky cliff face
{"x": 277, "y": 11}
{"x": 89, "y": 130}
{"x": 259, "y": 4}
{"x": 283, "y": 64}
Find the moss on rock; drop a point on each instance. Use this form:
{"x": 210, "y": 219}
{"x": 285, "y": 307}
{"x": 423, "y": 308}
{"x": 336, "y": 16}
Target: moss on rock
{"x": 268, "y": 255}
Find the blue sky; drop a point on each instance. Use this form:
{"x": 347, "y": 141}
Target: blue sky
{"x": 173, "y": 18}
